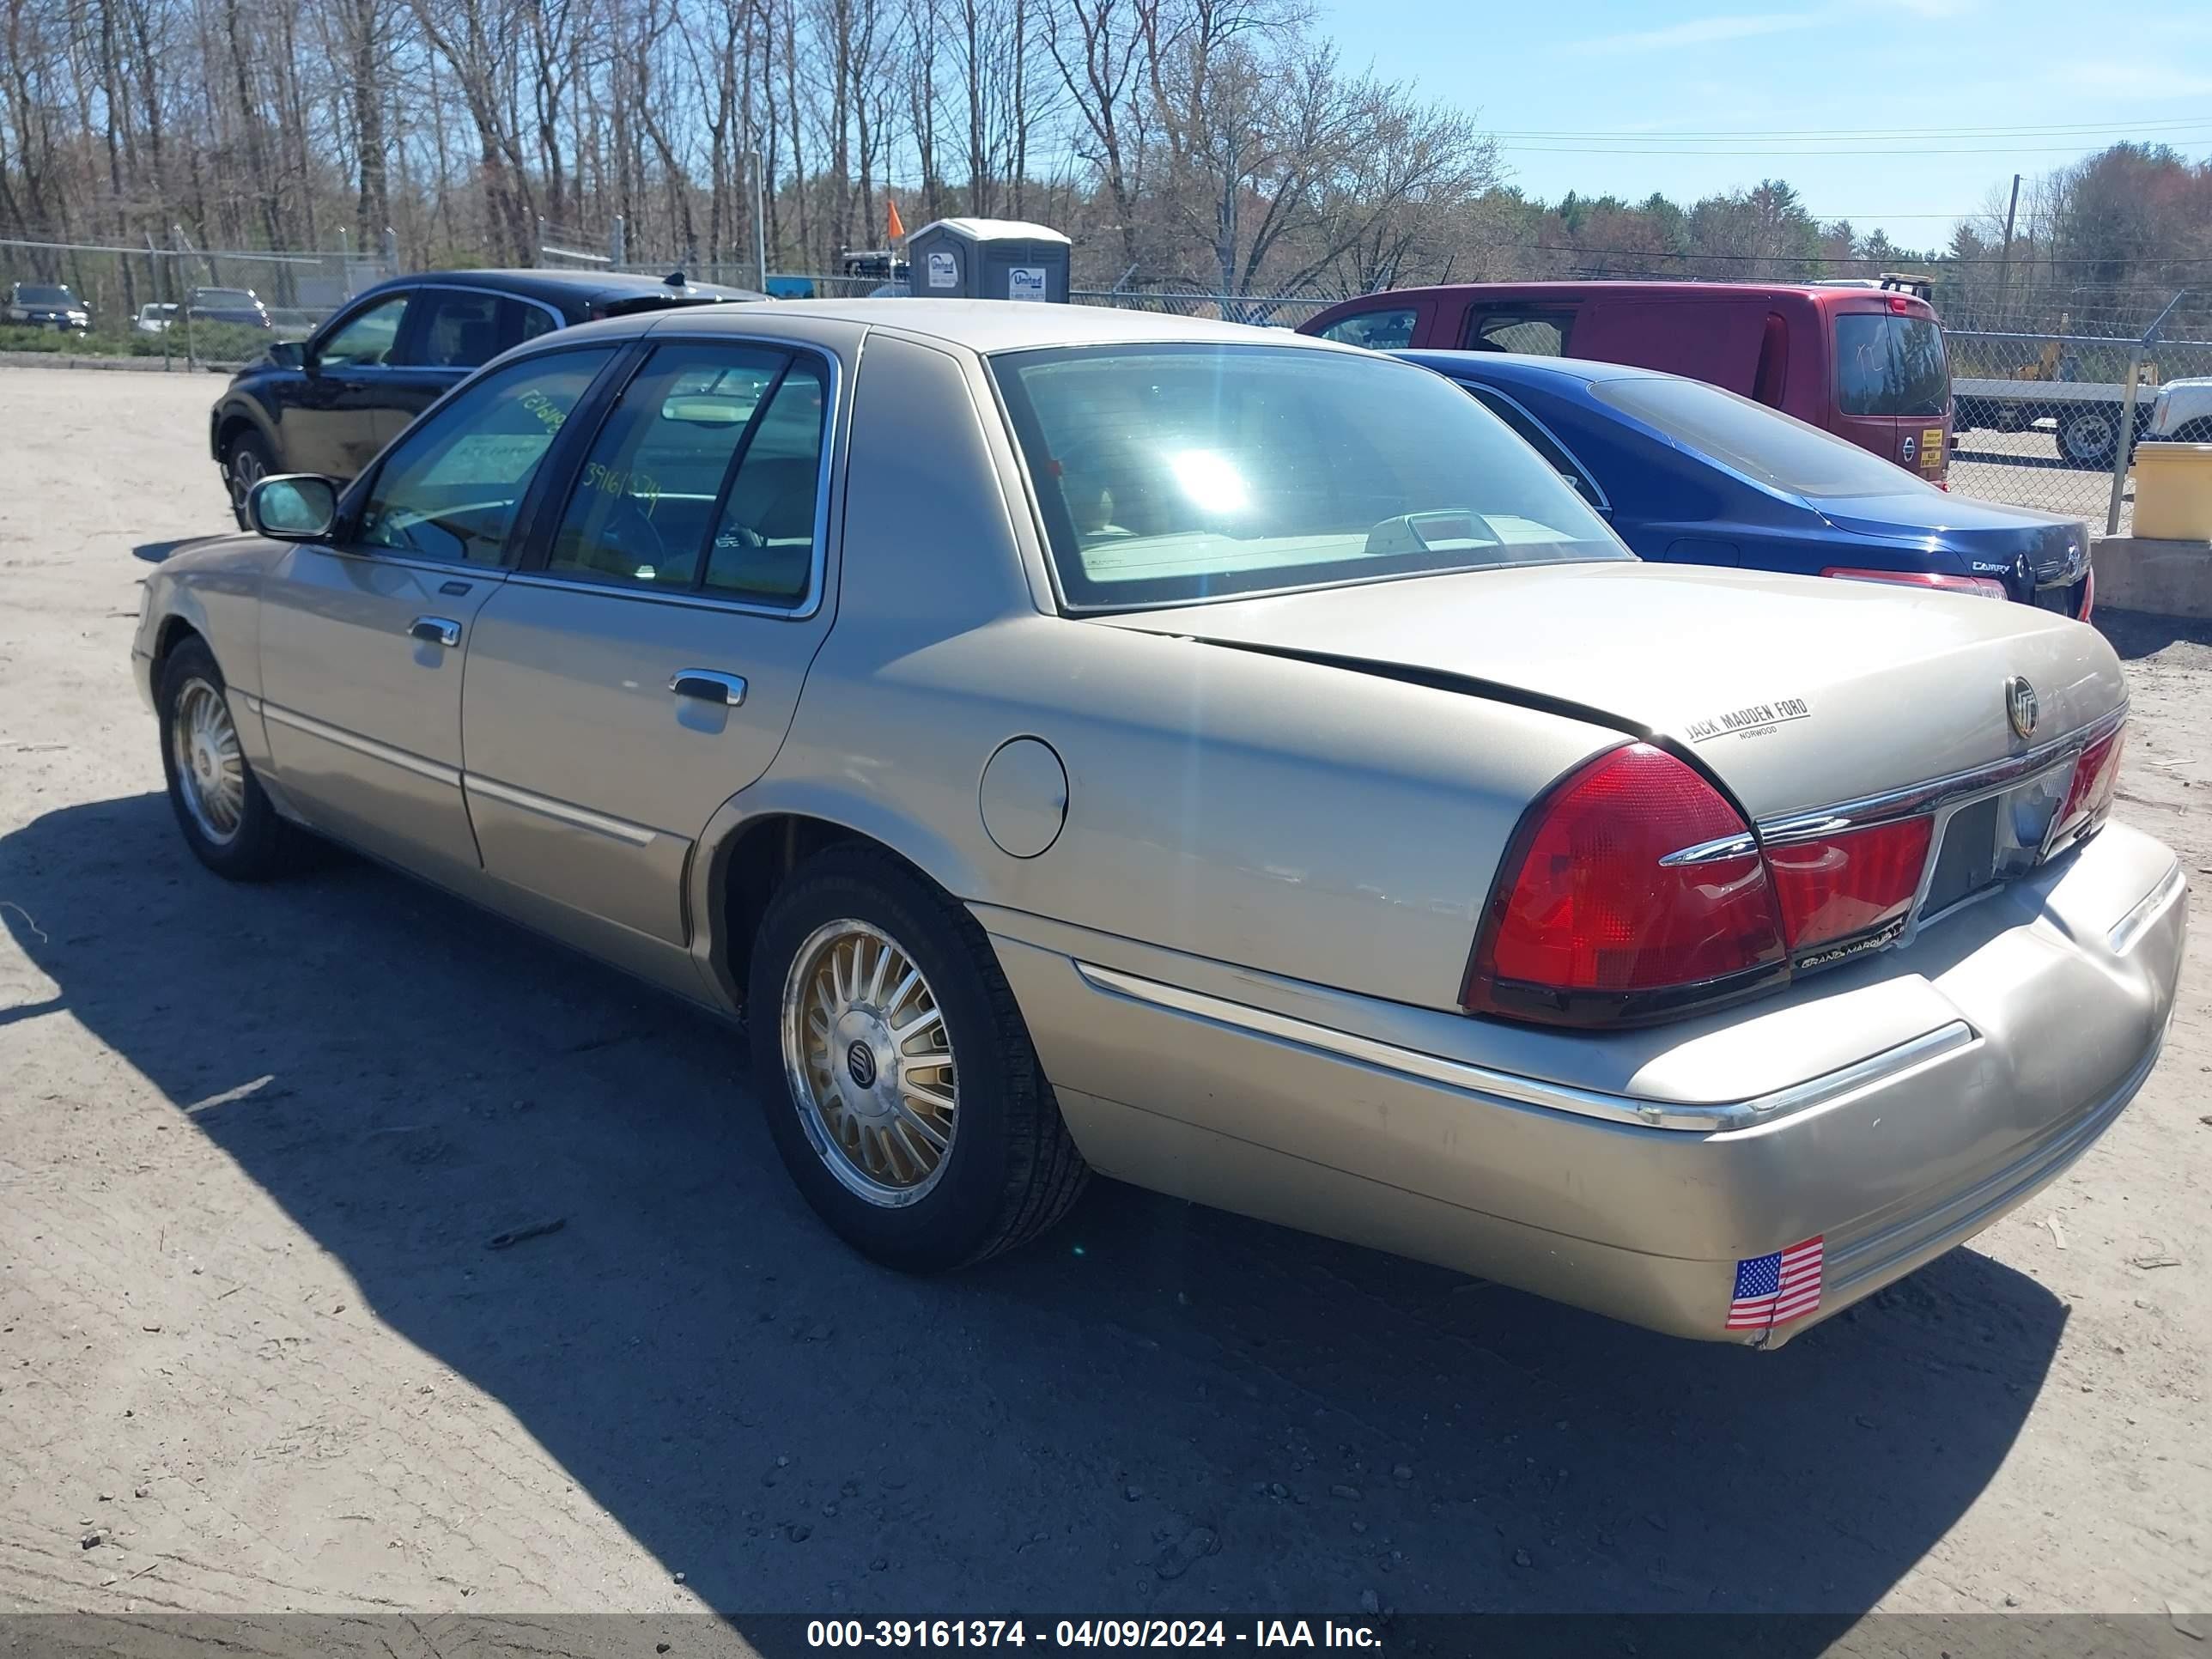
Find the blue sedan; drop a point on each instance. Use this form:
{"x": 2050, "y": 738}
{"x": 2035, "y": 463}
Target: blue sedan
{"x": 1688, "y": 473}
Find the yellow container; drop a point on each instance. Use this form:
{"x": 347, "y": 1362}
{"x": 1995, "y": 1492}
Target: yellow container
{"x": 2174, "y": 492}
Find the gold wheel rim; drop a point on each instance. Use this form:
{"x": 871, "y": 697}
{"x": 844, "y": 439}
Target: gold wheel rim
{"x": 869, "y": 1060}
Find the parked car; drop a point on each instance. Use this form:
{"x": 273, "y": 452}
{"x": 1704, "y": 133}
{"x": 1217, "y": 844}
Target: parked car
{"x": 48, "y": 304}
{"x": 239, "y": 307}
{"x": 1865, "y": 364}
{"x": 2180, "y": 412}
{"x": 1686, "y": 473}
{"x": 328, "y": 404}
{"x": 156, "y": 318}
{"x": 1238, "y": 764}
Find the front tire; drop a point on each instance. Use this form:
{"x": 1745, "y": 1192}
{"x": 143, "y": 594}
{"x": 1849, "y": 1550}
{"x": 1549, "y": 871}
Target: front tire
{"x": 2087, "y": 437}
{"x": 898, "y": 1080}
{"x": 246, "y": 463}
{"x": 225, "y": 815}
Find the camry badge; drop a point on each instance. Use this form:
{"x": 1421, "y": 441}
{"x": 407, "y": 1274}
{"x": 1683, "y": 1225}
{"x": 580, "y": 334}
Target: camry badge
{"x": 2021, "y": 706}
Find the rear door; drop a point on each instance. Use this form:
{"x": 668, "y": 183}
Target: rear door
{"x": 621, "y": 694}
{"x": 1717, "y": 341}
{"x": 451, "y": 332}
{"x": 1892, "y": 390}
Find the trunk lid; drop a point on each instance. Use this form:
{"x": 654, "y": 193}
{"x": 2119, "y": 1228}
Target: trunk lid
{"x": 1799, "y": 693}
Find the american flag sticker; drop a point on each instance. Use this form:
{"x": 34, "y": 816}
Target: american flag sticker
{"x": 1773, "y": 1290}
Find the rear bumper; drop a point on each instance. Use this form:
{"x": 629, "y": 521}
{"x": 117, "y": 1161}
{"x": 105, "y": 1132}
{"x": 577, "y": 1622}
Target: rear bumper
{"x": 1988, "y": 1057}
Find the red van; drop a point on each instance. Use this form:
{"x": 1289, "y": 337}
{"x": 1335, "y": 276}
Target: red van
{"x": 1868, "y": 364}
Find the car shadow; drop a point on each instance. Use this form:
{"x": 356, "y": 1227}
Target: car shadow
{"x": 2138, "y": 634}
{"x": 1159, "y": 1408}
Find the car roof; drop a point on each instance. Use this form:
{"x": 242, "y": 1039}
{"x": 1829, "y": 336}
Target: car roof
{"x": 578, "y": 286}
{"x": 1832, "y": 299}
{"x": 1525, "y": 368}
{"x": 991, "y": 325}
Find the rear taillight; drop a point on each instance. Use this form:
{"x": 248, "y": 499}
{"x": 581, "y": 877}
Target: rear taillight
{"x": 1632, "y": 890}
{"x": 2096, "y": 781}
{"x": 1987, "y": 587}
{"x": 2089, "y": 594}
{"x": 1850, "y": 883}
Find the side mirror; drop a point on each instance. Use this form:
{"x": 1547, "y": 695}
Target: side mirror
{"x": 288, "y": 354}
{"x": 293, "y": 506}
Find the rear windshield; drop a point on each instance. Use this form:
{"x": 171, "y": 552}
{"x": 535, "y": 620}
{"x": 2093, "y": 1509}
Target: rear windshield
{"x": 30, "y": 295}
{"x": 225, "y": 296}
{"x": 1169, "y": 474}
{"x": 1771, "y": 447}
{"x": 1887, "y": 364}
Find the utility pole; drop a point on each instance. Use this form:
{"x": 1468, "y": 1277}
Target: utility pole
{"x": 2004, "y": 260}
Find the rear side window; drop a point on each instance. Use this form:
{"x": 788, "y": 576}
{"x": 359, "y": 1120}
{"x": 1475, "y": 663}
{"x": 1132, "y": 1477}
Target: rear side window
{"x": 703, "y": 477}
{"x": 1774, "y": 449}
{"x": 1542, "y": 331}
{"x": 1887, "y": 364}
{"x": 1378, "y": 331}
{"x": 460, "y": 329}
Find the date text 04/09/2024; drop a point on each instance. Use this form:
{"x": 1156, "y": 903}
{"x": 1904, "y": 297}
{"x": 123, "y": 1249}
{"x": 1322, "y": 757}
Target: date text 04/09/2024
{"x": 1088, "y": 1633}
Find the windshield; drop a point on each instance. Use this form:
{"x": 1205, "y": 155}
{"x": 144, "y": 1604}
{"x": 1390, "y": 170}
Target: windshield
{"x": 31, "y": 295}
{"x": 1772, "y": 448}
{"x": 1168, "y": 474}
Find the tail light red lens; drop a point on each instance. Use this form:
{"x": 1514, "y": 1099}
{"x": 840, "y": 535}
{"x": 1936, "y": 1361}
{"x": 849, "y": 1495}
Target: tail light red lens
{"x": 1849, "y": 884}
{"x": 2089, "y": 594}
{"x": 1986, "y": 587}
{"x": 1590, "y": 922}
{"x": 2096, "y": 781}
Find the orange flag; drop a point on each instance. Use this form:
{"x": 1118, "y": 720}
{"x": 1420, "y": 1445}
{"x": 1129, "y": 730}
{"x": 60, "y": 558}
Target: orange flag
{"x": 893, "y": 228}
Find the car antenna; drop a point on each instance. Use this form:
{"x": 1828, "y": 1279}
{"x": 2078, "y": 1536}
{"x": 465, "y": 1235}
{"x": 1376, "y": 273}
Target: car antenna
{"x": 674, "y": 279}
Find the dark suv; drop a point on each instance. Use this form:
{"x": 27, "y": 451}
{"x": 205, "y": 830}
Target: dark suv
{"x": 329, "y": 404}
{"x": 46, "y": 305}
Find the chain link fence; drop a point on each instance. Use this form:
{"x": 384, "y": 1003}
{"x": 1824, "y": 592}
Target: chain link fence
{"x": 2051, "y": 390}
{"x": 191, "y": 307}
{"x": 2048, "y": 400}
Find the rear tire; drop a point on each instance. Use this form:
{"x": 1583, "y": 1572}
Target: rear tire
{"x": 225, "y": 815}
{"x": 837, "y": 1033}
{"x": 2087, "y": 437}
{"x": 245, "y": 462}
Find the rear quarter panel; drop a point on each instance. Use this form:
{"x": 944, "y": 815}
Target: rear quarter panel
{"x": 1304, "y": 821}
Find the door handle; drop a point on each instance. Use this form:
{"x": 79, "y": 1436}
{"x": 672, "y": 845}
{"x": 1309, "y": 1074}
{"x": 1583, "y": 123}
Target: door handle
{"x": 706, "y": 685}
{"x": 435, "y": 630}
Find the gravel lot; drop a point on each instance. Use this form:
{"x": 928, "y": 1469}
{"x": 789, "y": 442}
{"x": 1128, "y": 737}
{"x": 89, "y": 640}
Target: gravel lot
{"x": 253, "y": 1141}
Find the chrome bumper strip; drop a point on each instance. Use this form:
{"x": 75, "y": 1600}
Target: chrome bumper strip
{"x": 360, "y": 745}
{"x": 1886, "y": 1066}
{"x": 2147, "y": 910}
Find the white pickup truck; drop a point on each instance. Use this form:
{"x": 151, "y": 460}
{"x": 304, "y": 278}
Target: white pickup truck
{"x": 2181, "y": 413}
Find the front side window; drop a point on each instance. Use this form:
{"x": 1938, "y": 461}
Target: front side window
{"x": 451, "y": 488}
{"x": 1169, "y": 474}
{"x": 1378, "y": 331}
{"x": 703, "y": 479}
{"x": 1772, "y": 448}
{"x": 1890, "y": 364}
{"x": 1541, "y": 331}
{"x": 365, "y": 341}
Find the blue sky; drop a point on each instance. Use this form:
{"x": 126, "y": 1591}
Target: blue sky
{"x": 1599, "y": 95}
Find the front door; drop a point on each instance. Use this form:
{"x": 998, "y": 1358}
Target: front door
{"x": 331, "y": 420}
{"x": 364, "y": 638}
{"x": 620, "y": 694}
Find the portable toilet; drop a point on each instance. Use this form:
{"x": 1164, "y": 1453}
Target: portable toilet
{"x": 988, "y": 259}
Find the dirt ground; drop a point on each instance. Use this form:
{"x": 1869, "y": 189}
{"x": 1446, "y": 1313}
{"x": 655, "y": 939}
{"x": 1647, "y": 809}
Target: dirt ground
{"x": 255, "y": 1355}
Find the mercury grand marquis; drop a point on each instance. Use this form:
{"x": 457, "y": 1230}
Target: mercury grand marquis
{"x": 1071, "y": 740}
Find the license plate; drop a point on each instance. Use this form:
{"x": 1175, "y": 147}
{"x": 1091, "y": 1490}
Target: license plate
{"x": 1995, "y": 838}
